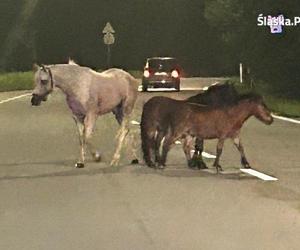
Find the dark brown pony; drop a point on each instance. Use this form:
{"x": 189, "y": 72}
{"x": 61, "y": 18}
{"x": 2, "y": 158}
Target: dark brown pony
{"x": 187, "y": 121}
{"x": 218, "y": 95}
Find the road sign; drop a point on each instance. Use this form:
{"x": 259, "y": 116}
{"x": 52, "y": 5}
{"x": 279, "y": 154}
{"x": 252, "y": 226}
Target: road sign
{"x": 108, "y": 38}
{"x": 108, "y": 28}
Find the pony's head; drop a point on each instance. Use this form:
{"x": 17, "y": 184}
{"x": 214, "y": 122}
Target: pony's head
{"x": 260, "y": 110}
{"x": 43, "y": 84}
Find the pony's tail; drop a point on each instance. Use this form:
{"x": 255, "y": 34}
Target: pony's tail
{"x": 147, "y": 141}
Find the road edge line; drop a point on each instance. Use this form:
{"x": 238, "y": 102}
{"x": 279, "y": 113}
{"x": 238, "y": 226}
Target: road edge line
{"x": 286, "y": 119}
{"x": 14, "y": 98}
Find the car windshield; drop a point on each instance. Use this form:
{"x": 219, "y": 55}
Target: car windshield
{"x": 162, "y": 64}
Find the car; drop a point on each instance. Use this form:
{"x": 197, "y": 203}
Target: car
{"x": 161, "y": 72}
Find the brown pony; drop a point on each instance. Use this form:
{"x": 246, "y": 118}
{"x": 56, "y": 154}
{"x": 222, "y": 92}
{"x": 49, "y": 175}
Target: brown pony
{"x": 186, "y": 121}
{"x": 217, "y": 95}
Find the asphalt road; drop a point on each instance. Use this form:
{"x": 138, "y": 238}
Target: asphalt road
{"x": 47, "y": 204}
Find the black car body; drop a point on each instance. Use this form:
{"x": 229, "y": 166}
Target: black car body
{"x": 161, "y": 72}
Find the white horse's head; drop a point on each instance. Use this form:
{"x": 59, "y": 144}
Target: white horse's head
{"x": 43, "y": 84}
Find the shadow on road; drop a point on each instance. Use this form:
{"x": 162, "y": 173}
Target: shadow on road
{"x": 28, "y": 170}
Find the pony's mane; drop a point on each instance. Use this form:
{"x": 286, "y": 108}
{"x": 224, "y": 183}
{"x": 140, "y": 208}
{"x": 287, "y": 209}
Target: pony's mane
{"x": 251, "y": 96}
{"x": 219, "y": 94}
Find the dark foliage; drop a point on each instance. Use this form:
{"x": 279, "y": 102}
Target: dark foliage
{"x": 209, "y": 37}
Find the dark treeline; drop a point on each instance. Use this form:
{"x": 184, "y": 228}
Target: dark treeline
{"x": 208, "y": 37}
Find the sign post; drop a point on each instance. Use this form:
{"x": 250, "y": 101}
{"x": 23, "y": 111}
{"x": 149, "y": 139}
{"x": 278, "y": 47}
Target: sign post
{"x": 241, "y": 73}
{"x": 108, "y": 39}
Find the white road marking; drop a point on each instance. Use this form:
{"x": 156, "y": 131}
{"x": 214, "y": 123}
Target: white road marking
{"x": 181, "y": 88}
{"x": 14, "y": 98}
{"x": 166, "y": 89}
{"x": 286, "y": 119}
{"x": 158, "y": 89}
{"x": 258, "y": 174}
{"x": 191, "y": 88}
{"x": 133, "y": 122}
{"x": 206, "y": 155}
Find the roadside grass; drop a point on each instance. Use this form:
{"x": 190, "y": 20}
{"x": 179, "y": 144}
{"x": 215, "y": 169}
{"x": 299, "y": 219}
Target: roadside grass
{"x": 24, "y": 80}
{"x": 275, "y": 101}
{"x": 16, "y": 81}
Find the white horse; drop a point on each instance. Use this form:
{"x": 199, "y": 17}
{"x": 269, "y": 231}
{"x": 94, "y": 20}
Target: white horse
{"x": 89, "y": 94}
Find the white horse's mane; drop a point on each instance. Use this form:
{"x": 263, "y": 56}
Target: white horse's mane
{"x": 72, "y": 62}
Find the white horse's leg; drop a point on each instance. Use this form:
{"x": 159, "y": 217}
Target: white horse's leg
{"x": 134, "y": 148}
{"x": 126, "y": 109}
{"x": 80, "y": 127}
{"x": 131, "y": 143}
{"x": 89, "y": 124}
{"x": 122, "y": 135}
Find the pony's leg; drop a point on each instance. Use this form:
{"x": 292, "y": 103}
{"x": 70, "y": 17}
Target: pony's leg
{"x": 197, "y": 160}
{"x": 165, "y": 149}
{"x": 80, "y": 127}
{"x": 237, "y": 142}
{"x": 198, "y": 147}
{"x": 122, "y": 135}
{"x": 219, "y": 152}
{"x": 147, "y": 144}
{"x": 149, "y": 156}
{"x": 158, "y": 140}
{"x": 187, "y": 147}
{"x": 149, "y": 152}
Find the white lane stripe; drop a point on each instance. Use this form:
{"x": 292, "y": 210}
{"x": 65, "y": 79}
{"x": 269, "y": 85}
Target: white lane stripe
{"x": 258, "y": 174}
{"x": 161, "y": 89}
{"x": 286, "y": 119}
{"x": 14, "y": 98}
{"x": 206, "y": 155}
{"x": 191, "y": 88}
{"x": 133, "y": 122}
{"x": 168, "y": 89}
{"x": 182, "y": 88}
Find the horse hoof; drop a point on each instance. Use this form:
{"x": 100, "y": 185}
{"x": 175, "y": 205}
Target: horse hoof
{"x": 246, "y": 165}
{"x": 79, "y": 165}
{"x": 114, "y": 163}
{"x": 192, "y": 163}
{"x": 151, "y": 165}
{"x": 135, "y": 161}
{"x": 218, "y": 168}
{"x": 161, "y": 166}
{"x": 202, "y": 165}
{"x": 197, "y": 162}
{"x": 97, "y": 156}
